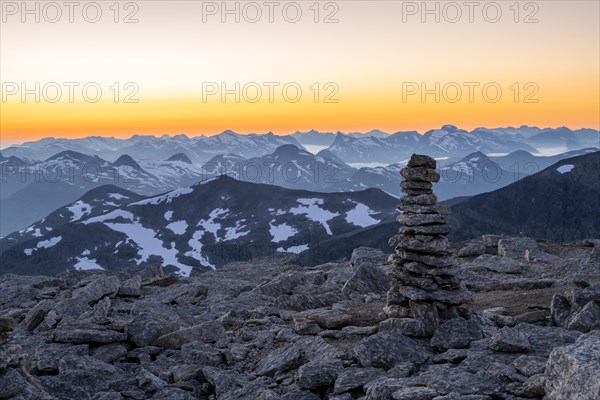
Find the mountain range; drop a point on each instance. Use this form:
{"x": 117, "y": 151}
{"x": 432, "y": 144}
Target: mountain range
{"x": 223, "y": 219}
{"x": 373, "y": 146}
{"x": 200, "y": 226}
{"x": 31, "y": 190}
{"x": 560, "y": 203}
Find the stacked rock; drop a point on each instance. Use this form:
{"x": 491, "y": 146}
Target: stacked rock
{"x": 423, "y": 289}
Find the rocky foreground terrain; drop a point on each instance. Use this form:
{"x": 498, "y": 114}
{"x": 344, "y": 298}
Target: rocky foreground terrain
{"x": 270, "y": 329}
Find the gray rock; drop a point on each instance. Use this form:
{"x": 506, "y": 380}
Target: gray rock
{"x": 366, "y": 255}
{"x": 439, "y": 245}
{"x": 384, "y": 388}
{"x": 457, "y": 396}
{"x": 319, "y": 374}
{"x": 7, "y": 324}
{"x": 384, "y": 350}
{"x": 327, "y": 318}
{"x": 415, "y": 393}
{"x": 420, "y": 199}
{"x": 146, "y": 328}
{"x": 455, "y": 334}
{"x": 515, "y": 247}
{"x": 587, "y": 319}
{"x": 432, "y": 270}
{"x": 491, "y": 240}
{"x": 531, "y": 317}
{"x": 299, "y": 395}
{"x": 411, "y": 208}
{"x": 223, "y": 382}
{"x": 499, "y": 264}
{"x": 442, "y": 229}
{"x": 592, "y": 293}
{"x": 535, "y": 386}
{"x": 454, "y": 297}
{"x": 108, "y": 396}
{"x": 366, "y": 278}
{"x": 416, "y": 185}
{"x": 536, "y": 255}
{"x": 420, "y": 174}
{"x": 110, "y": 352}
{"x": 280, "y": 360}
{"x": 406, "y": 326}
{"x": 529, "y": 365}
{"x": 446, "y": 379}
{"x": 149, "y": 382}
{"x": 452, "y": 356}
{"x": 37, "y": 314}
{"x": 48, "y": 356}
{"x": 200, "y": 353}
{"x": 510, "y": 340}
{"x": 72, "y": 308}
{"x": 421, "y": 219}
{"x": 472, "y": 249}
{"x": 209, "y": 332}
{"x": 131, "y": 287}
{"x": 87, "y": 365}
{"x": 560, "y": 311}
{"x": 97, "y": 289}
{"x": 354, "y": 378}
{"x": 69, "y": 331}
{"x": 419, "y": 160}
{"x": 572, "y": 371}
{"x": 306, "y": 326}
{"x": 12, "y": 383}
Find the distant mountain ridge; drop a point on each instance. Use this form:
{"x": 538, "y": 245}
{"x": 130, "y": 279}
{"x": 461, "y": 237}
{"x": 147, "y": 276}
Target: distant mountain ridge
{"x": 198, "y": 149}
{"x": 560, "y": 203}
{"x": 31, "y": 191}
{"x": 355, "y": 147}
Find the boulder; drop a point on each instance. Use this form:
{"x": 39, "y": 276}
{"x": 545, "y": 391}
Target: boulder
{"x": 572, "y": 371}
{"x": 37, "y": 314}
{"x": 280, "y": 360}
{"x": 515, "y": 247}
{"x": 209, "y": 332}
{"x": 498, "y": 264}
{"x": 69, "y": 331}
{"x": 131, "y": 287}
{"x": 200, "y": 353}
{"x": 472, "y": 249}
{"x": 97, "y": 289}
{"x": 355, "y": 377}
{"x": 455, "y": 333}
{"x": 319, "y": 374}
{"x": 510, "y": 340}
{"x": 415, "y": 393}
{"x": 587, "y": 319}
{"x": 146, "y": 328}
{"x": 384, "y": 350}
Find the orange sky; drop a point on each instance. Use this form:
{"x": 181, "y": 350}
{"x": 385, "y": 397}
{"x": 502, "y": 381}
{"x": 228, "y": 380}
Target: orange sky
{"x": 370, "y": 56}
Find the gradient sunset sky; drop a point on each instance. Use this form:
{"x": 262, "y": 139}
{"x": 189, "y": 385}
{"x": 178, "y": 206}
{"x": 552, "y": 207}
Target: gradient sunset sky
{"x": 369, "y": 55}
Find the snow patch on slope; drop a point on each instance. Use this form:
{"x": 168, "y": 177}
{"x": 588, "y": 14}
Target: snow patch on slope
{"x": 79, "y": 210}
{"x": 310, "y": 208}
{"x": 361, "y": 216}
{"x": 281, "y": 232}
{"x": 563, "y": 169}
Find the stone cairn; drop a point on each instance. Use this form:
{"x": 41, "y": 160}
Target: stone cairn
{"x": 423, "y": 288}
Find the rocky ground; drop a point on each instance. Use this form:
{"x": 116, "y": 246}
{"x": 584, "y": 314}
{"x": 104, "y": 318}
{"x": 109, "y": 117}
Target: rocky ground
{"x": 270, "y": 329}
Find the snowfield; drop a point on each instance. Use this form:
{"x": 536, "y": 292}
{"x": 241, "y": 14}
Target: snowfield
{"x": 563, "y": 169}
{"x": 361, "y": 216}
{"x": 281, "y": 232}
{"x": 310, "y": 208}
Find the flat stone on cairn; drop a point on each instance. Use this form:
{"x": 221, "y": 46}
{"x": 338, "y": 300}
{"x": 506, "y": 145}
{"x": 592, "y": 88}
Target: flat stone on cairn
{"x": 423, "y": 290}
